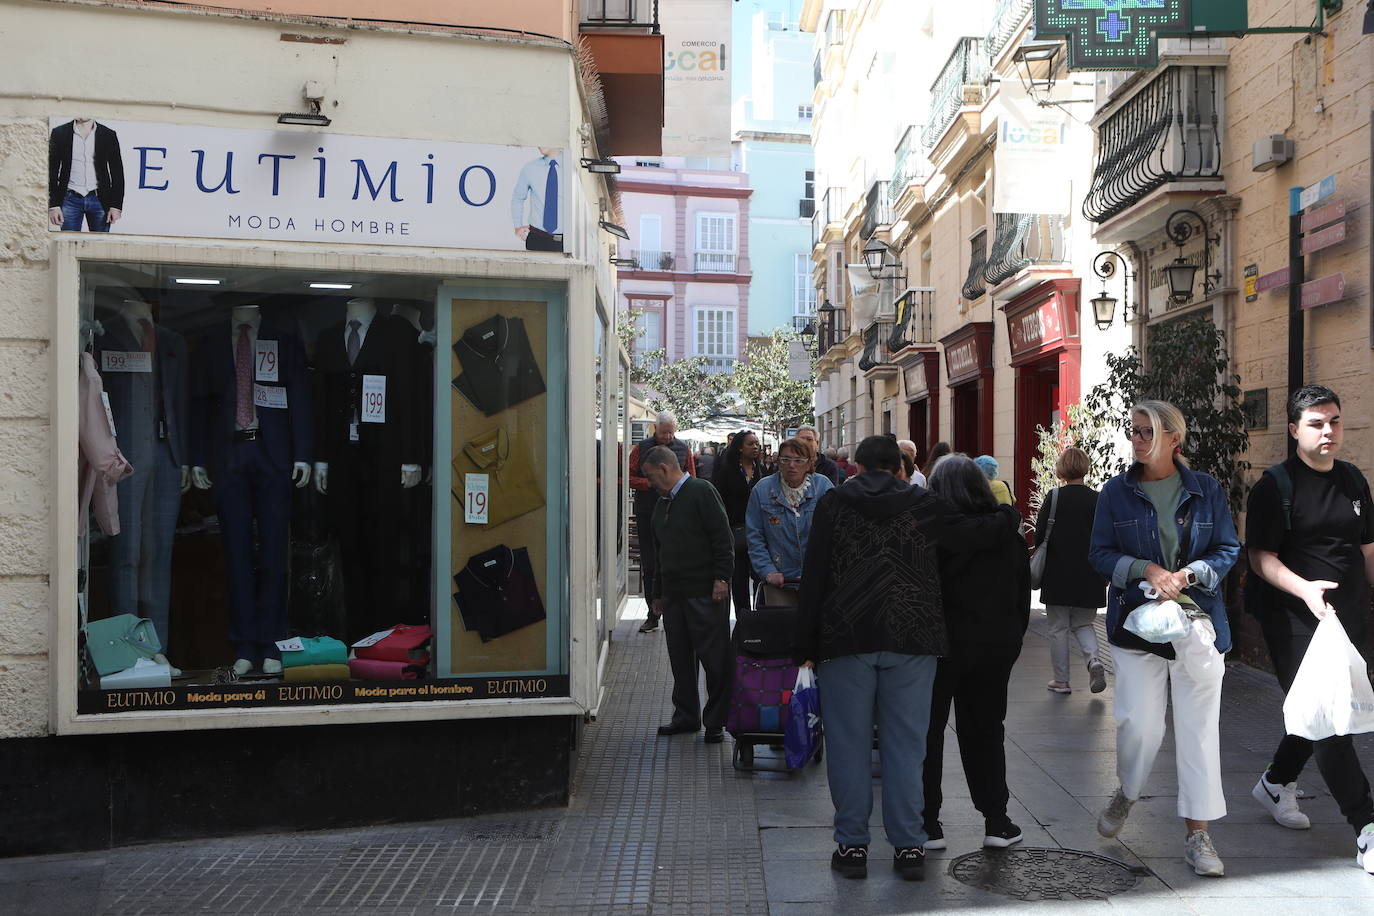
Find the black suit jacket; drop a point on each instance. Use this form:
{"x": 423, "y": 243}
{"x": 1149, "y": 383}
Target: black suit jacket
{"x": 109, "y": 166}
{"x": 285, "y": 434}
{"x": 390, "y": 350}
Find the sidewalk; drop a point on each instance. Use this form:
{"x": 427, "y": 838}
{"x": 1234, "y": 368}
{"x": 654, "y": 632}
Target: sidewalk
{"x": 665, "y": 826}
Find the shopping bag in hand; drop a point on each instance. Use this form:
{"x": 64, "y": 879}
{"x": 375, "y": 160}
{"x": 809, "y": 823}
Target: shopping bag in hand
{"x": 1331, "y": 694}
{"x": 1155, "y": 620}
{"x": 803, "y": 734}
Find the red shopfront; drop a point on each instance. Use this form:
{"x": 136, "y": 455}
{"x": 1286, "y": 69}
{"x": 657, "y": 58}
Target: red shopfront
{"x": 1043, "y": 332}
{"x": 968, "y": 366}
{"x": 921, "y": 379}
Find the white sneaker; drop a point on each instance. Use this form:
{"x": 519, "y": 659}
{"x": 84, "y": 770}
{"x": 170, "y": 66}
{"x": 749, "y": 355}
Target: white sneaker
{"x": 1202, "y": 855}
{"x": 1281, "y": 802}
{"x": 1364, "y": 849}
{"x": 1113, "y": 817}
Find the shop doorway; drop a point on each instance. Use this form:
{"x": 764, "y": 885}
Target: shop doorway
{"x": 967, "y": 425}
{"x": 918, "y": 422}
{"x": 1038, "y": 406}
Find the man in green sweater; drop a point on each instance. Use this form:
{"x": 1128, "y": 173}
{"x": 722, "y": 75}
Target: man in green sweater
{"x": 696, "y": 557}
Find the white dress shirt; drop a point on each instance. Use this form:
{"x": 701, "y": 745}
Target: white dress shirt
{"x": 82, "y": 178}
{"x": 363, "y": 325}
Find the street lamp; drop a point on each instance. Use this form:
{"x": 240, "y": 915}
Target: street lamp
{"x": 1104, "y": 306}
{"x": 825, "y": 316}
{"x": 1180, "y": 273}
{"x": 807, "y": 335}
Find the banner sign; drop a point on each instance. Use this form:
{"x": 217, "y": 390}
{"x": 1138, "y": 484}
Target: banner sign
{"x": 186, "y": 181}
{"x": 696, "y": 77}
{"x": 1028, "y": 158}
{"x": 1124, "y": 34}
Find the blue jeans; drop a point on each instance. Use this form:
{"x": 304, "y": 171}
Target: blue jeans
{"x": 899, "y": 686}
{"x": 74, "y": 207}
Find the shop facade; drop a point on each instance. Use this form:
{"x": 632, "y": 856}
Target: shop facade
{"x": 297, "y": 506}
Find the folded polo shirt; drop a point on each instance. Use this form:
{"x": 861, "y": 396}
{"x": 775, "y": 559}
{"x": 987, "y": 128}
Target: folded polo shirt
{"x": 512, "y": 486}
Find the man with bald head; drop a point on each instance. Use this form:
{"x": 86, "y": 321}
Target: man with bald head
{"x": 646, "y": 498}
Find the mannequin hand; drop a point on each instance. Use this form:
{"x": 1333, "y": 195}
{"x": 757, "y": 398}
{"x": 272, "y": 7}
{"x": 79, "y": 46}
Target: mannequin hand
{"x": 321, "y": 477}
{"x": 185, "y": 478}
{"x": 201, "y": 478}
{"x": 55, "y": 215}
{"x": 410, "y": 475}
{"x": 112, "y": 216}
{"x": 300, "y": 474}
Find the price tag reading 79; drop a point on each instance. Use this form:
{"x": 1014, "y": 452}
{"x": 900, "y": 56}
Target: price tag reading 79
{"x": 266, "y": 363}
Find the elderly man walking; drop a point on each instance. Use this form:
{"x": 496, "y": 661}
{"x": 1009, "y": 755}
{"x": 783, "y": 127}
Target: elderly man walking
{"x": 696, "y": 554}
{"x": 646, "y": 498}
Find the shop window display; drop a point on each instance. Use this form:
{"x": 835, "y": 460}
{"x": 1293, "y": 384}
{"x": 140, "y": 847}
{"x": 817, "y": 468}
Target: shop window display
{"x": 268, "y": 508}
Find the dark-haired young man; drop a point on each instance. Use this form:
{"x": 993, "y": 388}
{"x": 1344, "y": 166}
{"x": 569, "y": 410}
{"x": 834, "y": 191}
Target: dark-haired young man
{"x": 1310, "y": 535}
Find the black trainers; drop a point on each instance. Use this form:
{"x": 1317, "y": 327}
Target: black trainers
{"x": 850, "y": 861}
{"x": 935, "y": 836}
{"x": 649, "y": 625}
{"x": 1001, "y": 834}
{"x": 910, "y": 863}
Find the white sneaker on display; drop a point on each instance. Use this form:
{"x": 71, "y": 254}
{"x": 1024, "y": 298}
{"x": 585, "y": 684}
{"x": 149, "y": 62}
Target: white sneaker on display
{"x": 1364, "y": 849}
{"x": 1202, "y": 855}
{"x": 1281, "y": 802}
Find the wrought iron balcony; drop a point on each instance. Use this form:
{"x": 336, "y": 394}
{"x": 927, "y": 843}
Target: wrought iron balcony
{"x": 1006, "y": 19}
{"x": 911, "y": 166}
{"x": 832, "y": 329}
{"x": 963, "y": 81}
{"x": 806, "y": 207}
{"x": 1169, "y": 131}
{"x": 876, "y": 338}
{"x": 913, "y": 326}
{"x": 818, "y": 69}
{"x": 801, "y": 322}
{"x": 1024, "y": 240}
{"x": 715, "y": 262}
{"x": 620, "y": 14}
{"x": 653, "y": 259}
{"x": 973, "y": 286}
{"x": 834, "y": 205}
{"x": 877, "y": 210}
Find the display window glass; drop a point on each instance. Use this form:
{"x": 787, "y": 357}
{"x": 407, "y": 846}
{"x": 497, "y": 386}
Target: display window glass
{"x": 300, "y": 489}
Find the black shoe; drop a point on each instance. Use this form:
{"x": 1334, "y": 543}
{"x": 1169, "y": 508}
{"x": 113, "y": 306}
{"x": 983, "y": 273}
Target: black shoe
{"x": 673, "y": 728}
{"x": 935, "y": 836}
{"x": 850, "y": 861}
{"x": 1001, "y": 834}
{"x": 910, "y": 863}
{"x": 649, "y": 625}
{"x": 714, "y": 735}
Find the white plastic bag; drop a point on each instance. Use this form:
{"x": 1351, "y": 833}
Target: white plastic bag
{"x": 1157, "y": 621}
{"x": 1331, "y": 694}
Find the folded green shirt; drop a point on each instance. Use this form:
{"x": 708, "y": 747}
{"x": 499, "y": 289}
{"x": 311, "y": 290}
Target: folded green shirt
{"x": 316, "y": 650}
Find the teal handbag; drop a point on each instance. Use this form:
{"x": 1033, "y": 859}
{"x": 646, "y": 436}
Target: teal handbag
{"x": 115, "y": 643}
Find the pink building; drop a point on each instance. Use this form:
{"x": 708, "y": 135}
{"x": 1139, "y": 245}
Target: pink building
{"x": 689, "y": 236}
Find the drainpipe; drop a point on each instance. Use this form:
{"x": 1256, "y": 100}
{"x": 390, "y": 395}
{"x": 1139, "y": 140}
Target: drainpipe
{"x": 1225, "y": 211}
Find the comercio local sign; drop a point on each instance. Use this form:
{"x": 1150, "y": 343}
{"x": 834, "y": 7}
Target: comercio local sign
{"x": 1123, "y": 34}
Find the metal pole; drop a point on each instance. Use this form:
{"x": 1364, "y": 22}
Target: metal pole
{"x": 1295, "y": 281}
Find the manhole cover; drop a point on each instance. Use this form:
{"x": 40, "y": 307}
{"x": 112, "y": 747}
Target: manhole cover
{"x": 1045, "y": 874}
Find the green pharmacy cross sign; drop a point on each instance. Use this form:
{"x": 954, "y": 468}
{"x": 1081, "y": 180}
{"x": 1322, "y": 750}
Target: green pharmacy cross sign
{"x": 1123, "y": 34}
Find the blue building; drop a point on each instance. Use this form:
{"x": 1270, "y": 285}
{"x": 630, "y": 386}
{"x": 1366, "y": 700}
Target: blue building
{"x": 771, "y": 126}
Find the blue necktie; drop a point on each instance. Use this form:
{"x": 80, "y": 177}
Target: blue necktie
{"x": 551, "y": 199}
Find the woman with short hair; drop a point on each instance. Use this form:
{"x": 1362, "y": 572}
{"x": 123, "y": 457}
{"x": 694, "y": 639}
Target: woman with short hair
{"x": 778, "y": 519}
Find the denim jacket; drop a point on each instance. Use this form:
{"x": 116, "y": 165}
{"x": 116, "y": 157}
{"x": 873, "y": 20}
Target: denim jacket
{"x": 777, "y": 535}
{"x": 1126, "y": 529}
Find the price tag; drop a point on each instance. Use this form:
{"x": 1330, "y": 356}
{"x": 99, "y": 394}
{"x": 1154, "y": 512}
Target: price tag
{"x": 353, "y": 431}
{"x": 373, "y": 639}
{"x": 293, "y": 644}
{"x": 109, "y": 414}
{"x": 265, "y": 364}
{"x": 374, "y": 399}
{"x": 126, "y": 361}
{"x": 274, "y": 398}
{"x": 475, "y": 499}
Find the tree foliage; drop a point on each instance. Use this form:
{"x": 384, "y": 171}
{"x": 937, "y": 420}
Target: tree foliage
{"x": 686, "y": 387}
{"x": 1077, "y": 428}
{"x": 766, "y": 387}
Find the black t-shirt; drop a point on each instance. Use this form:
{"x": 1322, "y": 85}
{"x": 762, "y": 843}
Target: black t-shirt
{"x": 1329, "y": 525}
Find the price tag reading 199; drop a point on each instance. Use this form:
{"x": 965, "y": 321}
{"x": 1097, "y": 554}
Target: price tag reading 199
{"x": 374, "y": 399}
{"x": 475, "y": 499}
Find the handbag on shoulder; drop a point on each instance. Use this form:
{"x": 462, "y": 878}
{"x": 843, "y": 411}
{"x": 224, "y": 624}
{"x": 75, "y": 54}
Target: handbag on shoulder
{"x": 1042, "y": 552}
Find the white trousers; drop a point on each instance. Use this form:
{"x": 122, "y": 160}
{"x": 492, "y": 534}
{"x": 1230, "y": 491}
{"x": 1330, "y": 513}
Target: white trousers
{"x": 1144, "y": 685}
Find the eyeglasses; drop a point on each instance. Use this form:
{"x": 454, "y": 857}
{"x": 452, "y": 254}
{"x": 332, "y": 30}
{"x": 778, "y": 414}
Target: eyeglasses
{"x": 1143, "y": 433}
{"x": 793, "y": 460}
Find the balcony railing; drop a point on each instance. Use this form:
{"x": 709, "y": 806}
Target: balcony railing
{"x": 834, "y": 28}
{"x": 620, "y": 14}
{"x": 876, "y": 338}
{"x": 1006, "y": 19}
{"x": 914, "y": 322}
{"x": 818, "y": 68}
{"x": 719, "y": 365}
{"x": 910, "y": 165}
{"x": 877, "y": 210}
{"x": 834, "y": 205}
{"x": 978, "y": 258}
{"x": 963, "y": 81}
{"x": 1024, "y": 240}
{"x": 806, "y": 207}
{"x": 817, "y": 226}
{"x": 832, "y": 328}
{"x": 1169, "y": 131}
{"x": 653, "y": 259}
{"x": 715, "y": 262}
{"x": 802, "y": 322}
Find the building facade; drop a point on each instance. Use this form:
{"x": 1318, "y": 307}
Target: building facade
{"x": 289, "y": 492}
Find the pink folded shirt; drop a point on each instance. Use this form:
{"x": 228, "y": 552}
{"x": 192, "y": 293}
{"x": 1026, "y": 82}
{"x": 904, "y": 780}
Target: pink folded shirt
{"x": 376, "y": 669}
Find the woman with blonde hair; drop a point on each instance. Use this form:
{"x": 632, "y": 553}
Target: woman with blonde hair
{"x": 1165, "y": 526}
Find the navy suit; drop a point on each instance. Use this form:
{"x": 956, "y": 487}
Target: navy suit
{"x": 252, "y": 480}
{"x": 150, "y": 412}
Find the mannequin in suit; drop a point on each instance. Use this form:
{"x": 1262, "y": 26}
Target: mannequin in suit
{"x": 251, "y": 402}
{"x": 144, "y": 369}
{"x": 419, "y": 502}
{"x": 368, "y": 433}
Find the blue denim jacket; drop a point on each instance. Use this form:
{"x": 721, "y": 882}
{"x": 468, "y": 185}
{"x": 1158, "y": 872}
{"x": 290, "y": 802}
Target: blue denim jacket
{"x": 1126, "y": 529}
{"x": 777, "y": 535}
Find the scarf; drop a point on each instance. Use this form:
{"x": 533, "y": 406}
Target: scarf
{"x": 793, "y": 496}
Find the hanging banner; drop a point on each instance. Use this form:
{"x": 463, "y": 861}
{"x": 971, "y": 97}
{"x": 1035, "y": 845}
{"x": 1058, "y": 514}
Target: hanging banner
{"x": 696, "y": 77}
{"x": 180, "y": 180}
{"x": 1030, "y": 154}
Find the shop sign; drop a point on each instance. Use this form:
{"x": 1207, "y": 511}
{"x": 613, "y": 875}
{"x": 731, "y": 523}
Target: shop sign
{"x": 1255, "y": 406}
{"x": 1251, "y": 278}
{"x": 1031, "y": 140}
{"x": 187, "y": 181}
{"x": 916, "y": 386}
{"x": 1034, "y": 327}
{"x": 962, "y": 358}
{"x": 696, "y": 77}
{"x": 1324, "y": 291}
{"x": 276, "y": 694}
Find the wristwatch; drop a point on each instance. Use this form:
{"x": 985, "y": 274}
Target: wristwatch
{"x": 1190, "y": 577}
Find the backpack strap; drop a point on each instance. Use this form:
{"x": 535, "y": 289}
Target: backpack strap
{"x": 1284, "y": 481}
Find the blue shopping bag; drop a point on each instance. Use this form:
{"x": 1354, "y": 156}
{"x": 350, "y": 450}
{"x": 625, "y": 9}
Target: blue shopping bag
{"x": 803, "y": 734}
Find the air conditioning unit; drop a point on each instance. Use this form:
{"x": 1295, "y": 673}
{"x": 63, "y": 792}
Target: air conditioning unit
{"x": 1271, "y": 152}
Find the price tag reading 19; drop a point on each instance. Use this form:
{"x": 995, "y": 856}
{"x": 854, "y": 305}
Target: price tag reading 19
{"x": 475, "y": 499}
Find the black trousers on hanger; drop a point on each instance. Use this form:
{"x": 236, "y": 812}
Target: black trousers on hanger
{"x": 365, "y": 509}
